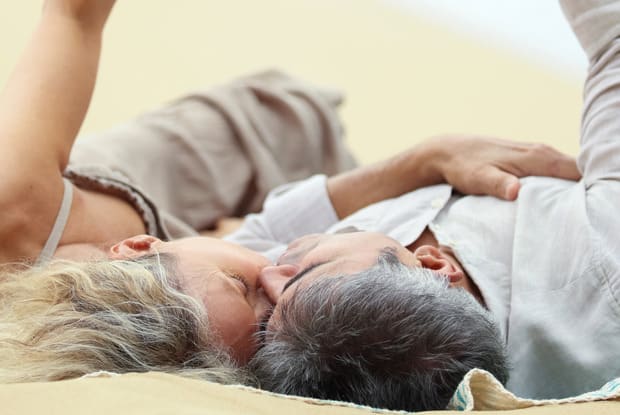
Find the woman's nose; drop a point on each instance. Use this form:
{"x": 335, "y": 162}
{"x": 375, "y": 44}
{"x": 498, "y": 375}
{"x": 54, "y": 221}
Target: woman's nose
{"x": 273, "y": 278}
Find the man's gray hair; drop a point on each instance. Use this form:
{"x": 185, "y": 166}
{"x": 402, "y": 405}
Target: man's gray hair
{"x": 390, "y": 337}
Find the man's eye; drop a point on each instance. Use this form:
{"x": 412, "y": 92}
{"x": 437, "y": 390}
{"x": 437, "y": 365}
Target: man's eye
{"x": 301, "y": 274}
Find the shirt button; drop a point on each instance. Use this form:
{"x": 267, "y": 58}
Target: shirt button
{"x": 437, "y": 203}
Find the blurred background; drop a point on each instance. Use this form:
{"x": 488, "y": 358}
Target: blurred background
{"x": 410, "y": 69}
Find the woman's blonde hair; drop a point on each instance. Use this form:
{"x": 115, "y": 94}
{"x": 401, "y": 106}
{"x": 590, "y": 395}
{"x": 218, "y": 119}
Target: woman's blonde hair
{"x": 68, "y": 319}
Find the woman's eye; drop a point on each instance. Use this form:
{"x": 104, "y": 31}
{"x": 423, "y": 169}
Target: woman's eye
{"x": 241, "y": 279}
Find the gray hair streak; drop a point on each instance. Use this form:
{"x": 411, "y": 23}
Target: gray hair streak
{"x": 390, "y": 336}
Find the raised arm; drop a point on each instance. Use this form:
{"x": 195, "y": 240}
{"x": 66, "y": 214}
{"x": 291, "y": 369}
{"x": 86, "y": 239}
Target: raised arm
{"x": 596, "y": 24}
{"x": 471, "y": 164}
{"x": 42, "y": 108}
{"x": 45, "y": 99}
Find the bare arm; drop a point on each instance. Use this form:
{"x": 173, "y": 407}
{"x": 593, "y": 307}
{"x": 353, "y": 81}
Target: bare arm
{"x": 42, "y": 108}
{"x": 471, "y": 164}
{"x": 45, "y": 99}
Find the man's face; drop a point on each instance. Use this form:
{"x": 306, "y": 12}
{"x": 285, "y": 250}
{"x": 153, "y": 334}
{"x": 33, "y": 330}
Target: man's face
{"x": 315, "y": 256}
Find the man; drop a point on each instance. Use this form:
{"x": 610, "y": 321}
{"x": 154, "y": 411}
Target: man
{"x": 546, "y": 266}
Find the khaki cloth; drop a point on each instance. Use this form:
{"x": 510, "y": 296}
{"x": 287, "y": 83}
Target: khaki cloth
{"x": 159, "y": 393}
{"x": 215, "y": 152}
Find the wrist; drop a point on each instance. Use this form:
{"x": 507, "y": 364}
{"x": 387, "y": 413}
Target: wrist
{"x": 90, "y": 15}
{"x": 421, "y": 166}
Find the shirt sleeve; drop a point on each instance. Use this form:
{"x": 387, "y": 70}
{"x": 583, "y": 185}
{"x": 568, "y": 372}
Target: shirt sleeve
{"x": 596, "y": 24}
{"x": 290, "y": 211}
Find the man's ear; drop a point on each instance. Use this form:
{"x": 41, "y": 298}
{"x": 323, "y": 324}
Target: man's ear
{"x": 438, "y": 262}
{"x": 133, "y": 247}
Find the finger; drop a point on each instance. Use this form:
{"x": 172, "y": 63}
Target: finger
{"x": 512, "y": 185}
{"x": 494, "y": 182}
{"x": 542, "y": 160}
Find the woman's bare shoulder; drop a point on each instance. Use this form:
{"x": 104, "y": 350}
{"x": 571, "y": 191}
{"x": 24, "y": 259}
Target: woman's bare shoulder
{"x": 29, "y": 209}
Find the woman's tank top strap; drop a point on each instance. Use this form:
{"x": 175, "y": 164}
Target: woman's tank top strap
{"x": 59, "y": 226}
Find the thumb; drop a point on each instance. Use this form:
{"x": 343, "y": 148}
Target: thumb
{"x": 493, "y": 181}
{"x": 511, "y": 187}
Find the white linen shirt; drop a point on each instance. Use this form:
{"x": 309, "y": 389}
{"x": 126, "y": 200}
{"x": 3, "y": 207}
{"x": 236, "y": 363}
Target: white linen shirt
{"x": 301, "y": 208}
{"x": 547, "y": 265}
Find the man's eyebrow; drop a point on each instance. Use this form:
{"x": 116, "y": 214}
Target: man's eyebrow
{"x": 300, "y": 275}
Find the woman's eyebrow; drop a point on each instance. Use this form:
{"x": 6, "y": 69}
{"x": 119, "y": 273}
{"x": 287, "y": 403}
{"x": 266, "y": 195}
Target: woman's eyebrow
{"x": 300, "y": 274}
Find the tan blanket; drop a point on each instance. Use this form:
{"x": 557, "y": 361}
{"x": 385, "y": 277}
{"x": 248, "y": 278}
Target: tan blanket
{"x": 158, "y": 393}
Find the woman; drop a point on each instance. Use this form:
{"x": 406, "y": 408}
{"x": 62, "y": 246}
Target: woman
{"x": 132, "y": 313}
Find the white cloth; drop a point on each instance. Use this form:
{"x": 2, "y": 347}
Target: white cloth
{"x": 480, "y": 391}
{"x": 301, "y": 208}
{"x": 548, "y": 265}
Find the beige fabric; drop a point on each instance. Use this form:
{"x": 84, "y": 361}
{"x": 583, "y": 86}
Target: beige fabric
{"x": 479, "y": 390}
{"x": 59, "y": 224}
{"x": 157, "y": 393}
{"x": 215, "y": 152}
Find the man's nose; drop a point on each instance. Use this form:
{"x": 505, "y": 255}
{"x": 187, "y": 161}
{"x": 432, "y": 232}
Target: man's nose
{"x": 273, "y": 278}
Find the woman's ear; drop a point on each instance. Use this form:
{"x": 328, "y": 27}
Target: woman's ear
{"x": 438, "y": 262}
{"x": 133, "y": 247}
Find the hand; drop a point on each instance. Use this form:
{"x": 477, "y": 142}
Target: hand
{"x": 481, "y": 165}
{"x": 471, "y": 164}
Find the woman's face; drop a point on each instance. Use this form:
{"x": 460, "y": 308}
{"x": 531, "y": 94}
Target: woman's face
{"x": 224, "y": 277}
{"x": 221, "y": 275}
